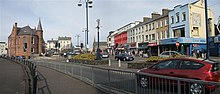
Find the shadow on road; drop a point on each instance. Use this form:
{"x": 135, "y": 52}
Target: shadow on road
{"x": 43, "y": 87}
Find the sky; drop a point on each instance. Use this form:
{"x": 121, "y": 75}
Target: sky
{"x": 65, "y": 18}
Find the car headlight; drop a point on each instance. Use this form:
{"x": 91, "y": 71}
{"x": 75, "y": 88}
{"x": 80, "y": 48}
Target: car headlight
{"x": 127, "y": 57}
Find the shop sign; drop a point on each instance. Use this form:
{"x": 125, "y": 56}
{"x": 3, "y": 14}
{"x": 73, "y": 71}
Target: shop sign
{"x": 182, "y": 40}
{"x": 195, "y": 45}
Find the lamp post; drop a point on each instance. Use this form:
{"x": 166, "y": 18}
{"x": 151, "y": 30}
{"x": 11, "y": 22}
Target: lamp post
{"x": 88, "y": 5}
{"x": 98, "y": 49}
{"x": 207, "y": 31}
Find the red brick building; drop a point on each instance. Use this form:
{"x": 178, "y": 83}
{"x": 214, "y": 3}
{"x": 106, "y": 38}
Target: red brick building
{"x": 25, "y": 41}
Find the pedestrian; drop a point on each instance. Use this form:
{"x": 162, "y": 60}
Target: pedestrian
{"x": 197, "y": 53}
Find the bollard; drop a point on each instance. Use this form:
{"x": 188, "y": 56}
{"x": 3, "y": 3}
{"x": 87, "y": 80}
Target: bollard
{"x": 109, "y": 62}
{"x": 119, "y": 63}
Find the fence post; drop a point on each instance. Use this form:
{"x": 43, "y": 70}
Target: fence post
{"x": 109, "y": 62}
{"x": 178, "y": 87}
{"x": 119, "y": 63}
{"x": 135, "y": 79}
{"x": 35, "y": 84}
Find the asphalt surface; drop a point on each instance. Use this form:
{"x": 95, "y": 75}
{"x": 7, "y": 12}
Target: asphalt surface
{"x": 11, "y": 77}
{"x": 54, "y": 82}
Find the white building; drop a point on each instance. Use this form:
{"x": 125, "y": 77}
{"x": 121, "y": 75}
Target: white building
{"x": 52, "y": 44}
{"x": 188, "y": 28}
{"x": 3, "y": 48}
{"x": 65, "y": 43}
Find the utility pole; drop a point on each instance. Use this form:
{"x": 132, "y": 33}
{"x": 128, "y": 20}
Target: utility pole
{"x": 98, "y": 49}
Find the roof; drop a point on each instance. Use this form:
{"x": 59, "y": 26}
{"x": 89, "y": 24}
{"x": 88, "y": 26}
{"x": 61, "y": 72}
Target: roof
{"x": 26, "y": 31}
{"x": 52, "y": 41}
{"x": 39, "y": 27}
{"x": 100, "y": 43}
{"x": 64, "y": 38}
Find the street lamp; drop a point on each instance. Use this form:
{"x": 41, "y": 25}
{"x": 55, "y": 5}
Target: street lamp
{"x": 88, "y": 5}
{"x": 98, "y": 49}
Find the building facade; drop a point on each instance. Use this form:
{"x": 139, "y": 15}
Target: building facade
{"x": 25, "y": 41}
{"x": 65, "y": 43}
{"x": 187, "y": 27}
{"x": 3, "y": 48}
{"x": 52, "y": 46}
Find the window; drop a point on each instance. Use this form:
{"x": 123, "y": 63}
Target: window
{"x": 172, "y": 20}
{"x": 142, "y": 38}
{"x": 32, "y": 40}
{"x": 32, "y": 49}
{"x": 146, "y": 37}
{"x": 153, "y": 36}
{"x": 149, "y": 37}
{"x": 183, "y": 16}
{"x": 149, "y": 26}
{"x": 158, "y": 35}
{"x": 161, "y": 23}
{"x": 166, "y": 21}
{"x": 157, "y": 24}
{"x": 163, "y": 34}
{"x": 146, "y": 27}
{"x": 152, "y": 26}
{"x": 167, "y": 33}
{"x": 170, "y": 64}
{"x": 190, "y": 65}
{"x": 177, "y": 17}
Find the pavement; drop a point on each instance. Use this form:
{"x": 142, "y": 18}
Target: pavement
{"x": 54, "y": 82}
{"x": 12, "y": 77}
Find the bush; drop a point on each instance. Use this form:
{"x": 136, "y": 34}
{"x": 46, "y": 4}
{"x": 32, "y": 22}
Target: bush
{"x": 89, "y": 57}
{"x": 154, "y": 59}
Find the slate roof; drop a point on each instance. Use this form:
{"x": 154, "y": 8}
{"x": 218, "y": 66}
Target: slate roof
{"x": 64, "y": 38}
{"x": 26, "y": 31}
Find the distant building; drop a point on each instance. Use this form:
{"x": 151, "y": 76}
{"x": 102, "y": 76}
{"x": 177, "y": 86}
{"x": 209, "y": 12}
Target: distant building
{"x": 24, "y": 41}
{"x": 3, "y": 48}
{"x": 102, "y": 45}
{"x": 52, "y": 44}
{"x": 65, "y": 43}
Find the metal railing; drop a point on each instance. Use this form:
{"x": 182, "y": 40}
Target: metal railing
{"x": 30, "y": 69}
{"x": 119, "y": 81}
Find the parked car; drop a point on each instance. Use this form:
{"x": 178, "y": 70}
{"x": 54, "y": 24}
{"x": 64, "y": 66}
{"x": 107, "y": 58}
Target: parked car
{"x": 124, "y": 57}
{"x": 190, "y": 68}
{"x": 105, "y": 55}
{"x": 169, "y": 54}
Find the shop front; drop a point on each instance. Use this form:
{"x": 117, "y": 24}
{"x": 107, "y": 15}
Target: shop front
{"x": 143, "y": 46}
{"x": 185, "y": 46}
{"x": 153, "y": 48}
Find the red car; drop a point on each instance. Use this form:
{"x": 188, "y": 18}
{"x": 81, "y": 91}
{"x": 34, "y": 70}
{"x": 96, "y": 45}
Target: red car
{"x": 191, "y": 68}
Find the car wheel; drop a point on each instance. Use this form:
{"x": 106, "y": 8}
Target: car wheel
{"x": 196, "y": 88}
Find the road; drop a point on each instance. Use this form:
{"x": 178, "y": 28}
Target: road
{"x": 12, "y": 77}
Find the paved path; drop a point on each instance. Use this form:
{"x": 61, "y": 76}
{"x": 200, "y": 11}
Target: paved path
{"x": 53, "y": 82}
{"x": 11, "y": 78}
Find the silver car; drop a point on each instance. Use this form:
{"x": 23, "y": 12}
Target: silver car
{"x": 169, "y": 54}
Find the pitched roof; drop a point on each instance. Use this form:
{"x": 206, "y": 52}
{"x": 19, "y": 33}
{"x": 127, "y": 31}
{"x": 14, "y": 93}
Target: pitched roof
{"x": 26, "y": 31}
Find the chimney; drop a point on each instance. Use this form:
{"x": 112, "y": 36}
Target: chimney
{"x": 165, "y": 11}
{"x": 145, "y": 19}
{"x": 16, "y": 24}
{"x": 155, "y": 15}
